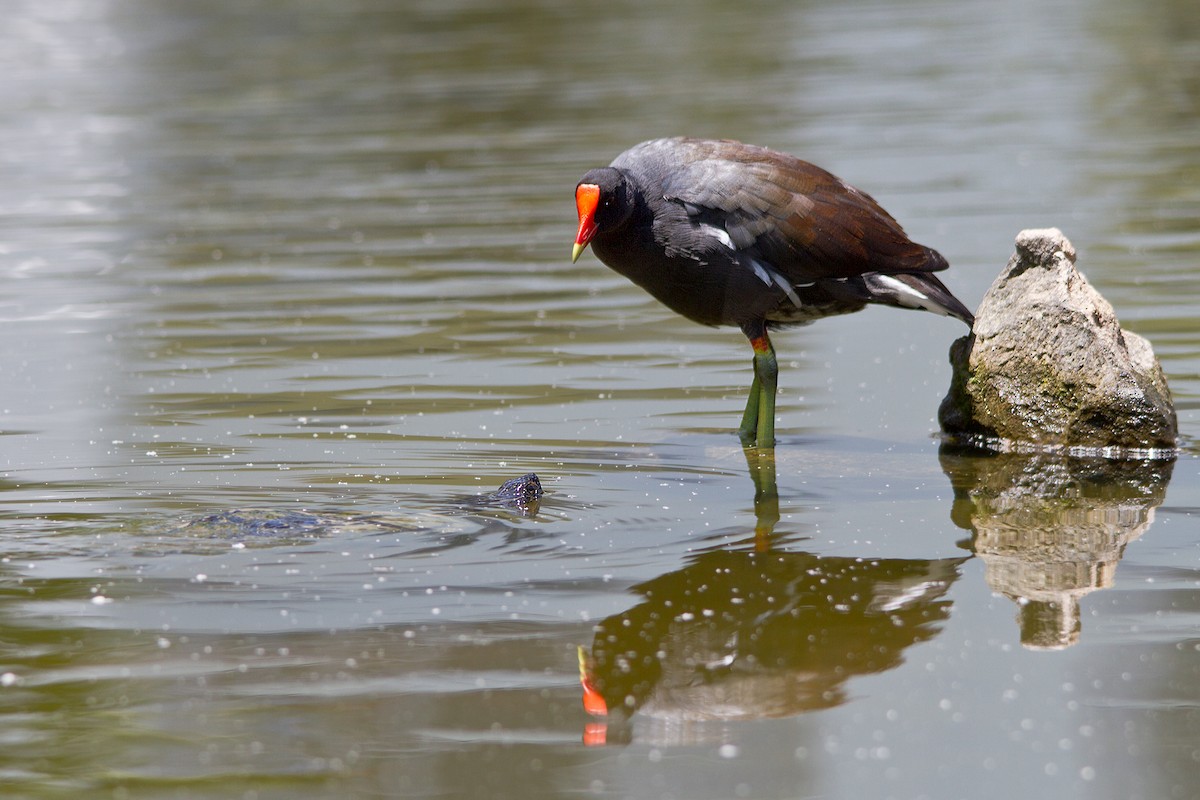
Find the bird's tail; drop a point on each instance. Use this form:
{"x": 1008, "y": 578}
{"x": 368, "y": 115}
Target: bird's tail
{"x": 915, "y": 290}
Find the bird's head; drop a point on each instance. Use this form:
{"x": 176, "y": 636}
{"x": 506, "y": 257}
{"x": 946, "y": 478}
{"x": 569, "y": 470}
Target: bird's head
{"x": 604, "y": 200}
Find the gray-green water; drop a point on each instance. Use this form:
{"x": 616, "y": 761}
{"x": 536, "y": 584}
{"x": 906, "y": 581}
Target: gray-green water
{"x": 315, "y": 256}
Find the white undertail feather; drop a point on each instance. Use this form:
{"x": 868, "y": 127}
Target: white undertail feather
{"x": 904, "y": 294}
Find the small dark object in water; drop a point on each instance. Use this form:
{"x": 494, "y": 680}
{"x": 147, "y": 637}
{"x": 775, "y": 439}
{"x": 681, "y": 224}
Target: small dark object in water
{"x": 524, "y": 493}
{"x": 521, "y": 495}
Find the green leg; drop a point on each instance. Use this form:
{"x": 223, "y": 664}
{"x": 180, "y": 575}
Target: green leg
{"x": 768, "y": 373}
{"x": 758, "y": 420}
{"x": 748, "y": 430}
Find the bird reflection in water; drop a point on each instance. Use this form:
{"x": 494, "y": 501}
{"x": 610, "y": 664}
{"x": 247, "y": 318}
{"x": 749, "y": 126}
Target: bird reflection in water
{"x": 750, "y": 632}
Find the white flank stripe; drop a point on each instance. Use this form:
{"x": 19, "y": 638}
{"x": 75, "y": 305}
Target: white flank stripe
{"x": 770, "y": 276}
{"x": 782, "y": 283}
{"x": 720, "y": 234}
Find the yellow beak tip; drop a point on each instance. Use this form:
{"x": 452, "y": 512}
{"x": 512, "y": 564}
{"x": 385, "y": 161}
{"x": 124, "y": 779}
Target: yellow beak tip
{"x": 577, "y": 251}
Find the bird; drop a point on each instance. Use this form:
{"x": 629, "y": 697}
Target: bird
{"x": 726, "y": 233}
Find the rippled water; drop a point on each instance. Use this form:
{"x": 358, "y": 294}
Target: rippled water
{"x": 312, "y": 258}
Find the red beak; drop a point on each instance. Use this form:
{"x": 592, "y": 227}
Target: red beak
{"x": 587, "y": 200}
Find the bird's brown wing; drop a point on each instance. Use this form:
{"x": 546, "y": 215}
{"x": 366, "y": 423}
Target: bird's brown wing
{"x": 807, "y": 223}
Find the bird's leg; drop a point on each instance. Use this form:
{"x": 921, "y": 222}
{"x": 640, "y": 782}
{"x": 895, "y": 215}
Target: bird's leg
{"x": 758, "y": 420}
{"x": 748, "y": 430}
{"x": 767, "y": 370}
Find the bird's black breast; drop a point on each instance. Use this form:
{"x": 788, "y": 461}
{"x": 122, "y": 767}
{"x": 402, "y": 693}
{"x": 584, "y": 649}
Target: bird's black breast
{"x": 687, "y": 265}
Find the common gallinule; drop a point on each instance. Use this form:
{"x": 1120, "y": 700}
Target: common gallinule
{"x": 727, "y": 233}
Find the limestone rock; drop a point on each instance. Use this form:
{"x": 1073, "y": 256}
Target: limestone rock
{"x": 1048, "y": 367}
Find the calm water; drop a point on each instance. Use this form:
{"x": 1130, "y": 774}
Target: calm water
{"x": 313, "y": 256}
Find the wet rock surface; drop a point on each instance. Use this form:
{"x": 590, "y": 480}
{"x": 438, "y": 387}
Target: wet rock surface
{"x": 1048, "y": 367}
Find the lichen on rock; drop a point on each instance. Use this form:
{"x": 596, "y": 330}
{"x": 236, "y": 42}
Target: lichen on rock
{"x": 1048, "y": 367}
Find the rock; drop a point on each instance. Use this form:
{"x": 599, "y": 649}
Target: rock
{"x": 1047, "y": 366}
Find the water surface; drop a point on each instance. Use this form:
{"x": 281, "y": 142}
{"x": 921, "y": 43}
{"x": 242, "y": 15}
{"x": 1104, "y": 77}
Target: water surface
{"x": 313, "y": 257}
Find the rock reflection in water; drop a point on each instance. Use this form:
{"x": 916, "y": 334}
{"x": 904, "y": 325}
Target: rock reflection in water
{"x": 1050, "y": 528}
{"x": 741, "y": 635}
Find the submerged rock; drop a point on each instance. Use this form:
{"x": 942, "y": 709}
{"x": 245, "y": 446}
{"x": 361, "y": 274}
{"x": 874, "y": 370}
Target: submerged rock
{"x": 1047, "y": 366}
